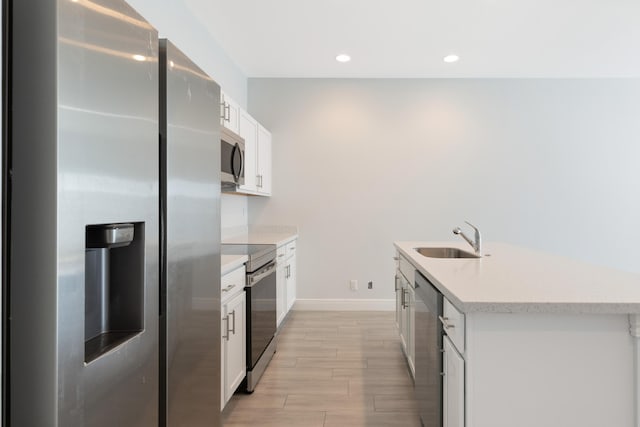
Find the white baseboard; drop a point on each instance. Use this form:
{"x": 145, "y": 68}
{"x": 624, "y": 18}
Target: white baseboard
{"x": 345, "y": 305}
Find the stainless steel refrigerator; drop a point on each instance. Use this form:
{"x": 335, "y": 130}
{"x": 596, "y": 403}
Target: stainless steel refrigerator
{"x": 190, "y": 321}
{"x": 112, "y": 195}
{"x": 83, "y": 215}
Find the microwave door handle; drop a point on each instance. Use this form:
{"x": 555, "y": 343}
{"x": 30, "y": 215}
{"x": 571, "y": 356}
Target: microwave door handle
{"x": 241, "y": 160}
{"x": 236, "y": 148}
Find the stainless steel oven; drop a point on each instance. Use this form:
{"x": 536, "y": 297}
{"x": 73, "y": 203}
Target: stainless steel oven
{"x": 260, "y": 291}
{"x": 261, "y": 321}
{"x": 231, "y": 159}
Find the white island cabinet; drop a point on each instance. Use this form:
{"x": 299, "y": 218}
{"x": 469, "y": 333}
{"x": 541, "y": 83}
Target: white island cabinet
{"x": 405, "y": 309}
{"x": 539, "y": 340}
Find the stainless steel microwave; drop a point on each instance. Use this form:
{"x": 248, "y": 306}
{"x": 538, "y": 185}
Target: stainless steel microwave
{"x": 232, "y": 160}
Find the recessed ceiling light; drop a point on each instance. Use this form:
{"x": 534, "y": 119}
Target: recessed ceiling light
{"x": 451, "y": 58}
{"x": 139, "y": 57}
{"x": 343, "y": 58}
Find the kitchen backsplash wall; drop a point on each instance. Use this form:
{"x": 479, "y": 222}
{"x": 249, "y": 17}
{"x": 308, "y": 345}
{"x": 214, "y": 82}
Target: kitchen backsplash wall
{"x": 550, "y": 164}
{"x": 234, "y": 216}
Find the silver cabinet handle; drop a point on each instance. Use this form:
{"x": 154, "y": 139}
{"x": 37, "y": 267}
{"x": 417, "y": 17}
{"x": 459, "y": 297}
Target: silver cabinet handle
{"x": 228, "y": 288}
{"x": 226, "y": 318}
{"x": 395, "y": 284}
{"x": 403, "y": 299}
{"x": 280, "y": 256}
{"x": 445, "y": 322}
{"x": 395, "y": 258}
{"x": 234, "y": 323}
{"x": 227, "y": 112}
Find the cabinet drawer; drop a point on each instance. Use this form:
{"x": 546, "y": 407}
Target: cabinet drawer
{"x": 281, "y": 254}
{"x": 232, "y": 283}
{"x": 291, "y": 249}
{"x": 453, "y": 324}
{"x": 407, "y": 270}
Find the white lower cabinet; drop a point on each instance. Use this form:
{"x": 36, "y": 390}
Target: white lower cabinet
{"x": 286, "y": 282}
{"x": 452, "y": 386}
{"x": 290, "y": 275}
{"x": 233, "y": 333}
{"x": 281, "y": 285}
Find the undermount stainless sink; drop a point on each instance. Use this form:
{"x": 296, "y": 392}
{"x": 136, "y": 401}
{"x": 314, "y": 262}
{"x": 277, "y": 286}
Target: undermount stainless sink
{"x": 445, "y": 253}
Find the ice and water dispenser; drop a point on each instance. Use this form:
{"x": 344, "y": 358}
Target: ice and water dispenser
{"x": 114, "y": 286}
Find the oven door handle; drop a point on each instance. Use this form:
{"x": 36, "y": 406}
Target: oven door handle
{"x": 264, "y": 272}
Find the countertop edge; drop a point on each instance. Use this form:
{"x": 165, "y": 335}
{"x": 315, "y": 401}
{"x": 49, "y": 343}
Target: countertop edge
{"x": 229, "y": 263}
{"x": 519, "y": 307}
{"x": 268, "y": 238}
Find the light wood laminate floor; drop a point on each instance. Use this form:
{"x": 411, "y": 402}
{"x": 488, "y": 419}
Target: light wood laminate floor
{"x": 331, "y": 369}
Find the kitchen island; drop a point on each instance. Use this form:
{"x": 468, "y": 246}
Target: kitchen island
{"x": 544, "y": 340}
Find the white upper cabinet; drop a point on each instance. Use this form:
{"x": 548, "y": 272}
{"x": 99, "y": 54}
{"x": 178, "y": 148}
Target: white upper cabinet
{"x": 249, "y": 131}
{"x": 229, "y": 113}
{"x": 263, "y": 162}
{"x": 257, "y": 156}
{"x": 257, "y": 147}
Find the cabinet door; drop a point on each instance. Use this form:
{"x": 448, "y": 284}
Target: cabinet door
{"x": 236, "y": 345}
{"x": 398, "y": 290}
{"x": 223, "y": 359}
{"x": 281, "y": 290}
{"x": 264, "y": 161}
{"x": 403, "y": 312}
{"x": 229, "y": 113}
{"x": 453, "y": 386}
{"x": 249, "y": 131}
{"x": 291, "y": 282}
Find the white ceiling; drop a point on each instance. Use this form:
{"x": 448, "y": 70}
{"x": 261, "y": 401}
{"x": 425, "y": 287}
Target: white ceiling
{"x": 409, "y": 38}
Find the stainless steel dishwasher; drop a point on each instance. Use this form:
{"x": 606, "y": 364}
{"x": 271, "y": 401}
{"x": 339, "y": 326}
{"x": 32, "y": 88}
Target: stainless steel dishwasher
{"x": 428, "y": 351}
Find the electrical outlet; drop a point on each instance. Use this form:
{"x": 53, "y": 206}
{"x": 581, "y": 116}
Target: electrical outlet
{"x": 370, "y": 286}
{"x": 354, "y": 285}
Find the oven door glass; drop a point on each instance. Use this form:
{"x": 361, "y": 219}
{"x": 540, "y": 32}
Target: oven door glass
{"x": 261, "y": 298}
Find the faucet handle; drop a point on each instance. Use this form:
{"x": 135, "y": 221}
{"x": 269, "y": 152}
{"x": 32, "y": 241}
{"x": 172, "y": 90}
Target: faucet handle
{"x": 473, "y": 226}
{"x": 478, "y": 239}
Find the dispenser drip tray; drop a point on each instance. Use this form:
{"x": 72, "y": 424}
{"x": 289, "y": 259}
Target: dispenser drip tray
{"x": 114, "y": 286}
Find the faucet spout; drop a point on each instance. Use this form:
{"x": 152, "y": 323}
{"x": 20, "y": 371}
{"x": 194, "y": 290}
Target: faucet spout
{"x": 476, "y": 244}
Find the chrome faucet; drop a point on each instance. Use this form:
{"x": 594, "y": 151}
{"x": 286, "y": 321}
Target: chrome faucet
{"x": 477, "y": 244}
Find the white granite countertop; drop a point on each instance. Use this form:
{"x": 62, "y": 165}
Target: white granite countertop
{"x": 514, "y": 279}
{"x": 276, "y": 235}
{"x": 228, "y": 263}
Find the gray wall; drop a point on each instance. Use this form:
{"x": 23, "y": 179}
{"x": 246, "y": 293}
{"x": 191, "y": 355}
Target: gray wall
{"x": 358, "y": 164}
{"x": 175, "y": 21}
